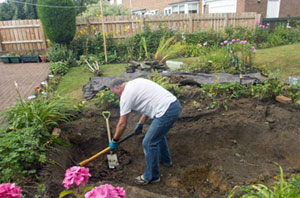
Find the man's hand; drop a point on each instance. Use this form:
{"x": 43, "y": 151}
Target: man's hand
{"x": 138, "y": 129}
{"x": 113, "y": 145}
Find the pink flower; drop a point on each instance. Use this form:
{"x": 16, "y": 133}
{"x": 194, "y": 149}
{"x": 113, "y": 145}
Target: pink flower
{"x": 230, "y": 43}
{"x": 233, "y": 40}
{"x": 254, "y": 50}
{"x": 245, "y": 42}
{"x": 242, "y": 42}
{"x": 222, "y": 43}
{"x": 76, "y": 175}
{"x": 10, "y": 191}
{"x": 106, "y": 191}
{"x": 257, "y": 21}
{"x": 225, "y": 41}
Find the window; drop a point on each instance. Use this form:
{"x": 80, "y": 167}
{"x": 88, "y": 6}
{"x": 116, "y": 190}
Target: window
{"x": 193, "y": 8}
{"x": 175, "y": 9}
{"x": 167, "y": 11}
{"x": 181, "y": 9}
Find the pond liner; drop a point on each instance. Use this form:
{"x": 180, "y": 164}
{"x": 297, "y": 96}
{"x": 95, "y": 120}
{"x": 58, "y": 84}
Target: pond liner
{"x": 97, "y": 84}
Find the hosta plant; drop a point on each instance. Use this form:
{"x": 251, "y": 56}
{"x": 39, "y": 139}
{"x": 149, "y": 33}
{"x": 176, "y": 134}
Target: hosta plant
{"x": 281, "y": 189}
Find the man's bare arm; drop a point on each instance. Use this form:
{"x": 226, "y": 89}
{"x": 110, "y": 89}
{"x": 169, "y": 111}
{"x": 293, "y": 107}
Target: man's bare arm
{"x": 143, "y": 119}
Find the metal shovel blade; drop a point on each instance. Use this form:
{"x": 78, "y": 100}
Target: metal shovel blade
{"x": 112, "y": 160}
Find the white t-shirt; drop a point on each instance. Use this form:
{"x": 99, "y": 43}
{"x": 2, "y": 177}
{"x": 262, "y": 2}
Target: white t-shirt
{"x": 146, "y": 97}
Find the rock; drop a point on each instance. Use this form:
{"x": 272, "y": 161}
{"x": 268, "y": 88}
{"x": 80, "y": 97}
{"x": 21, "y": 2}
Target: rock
{"x": 56, "y": 132}
{"x": 270, "y": 120}
{"x": 283, "y": 99}
{"x": 134, "y": 63}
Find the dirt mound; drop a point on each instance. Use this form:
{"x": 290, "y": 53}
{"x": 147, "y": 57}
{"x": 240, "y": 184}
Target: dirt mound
{"x": 212, "y": 150}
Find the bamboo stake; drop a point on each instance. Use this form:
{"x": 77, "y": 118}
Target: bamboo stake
{"x": 103, "y": 32}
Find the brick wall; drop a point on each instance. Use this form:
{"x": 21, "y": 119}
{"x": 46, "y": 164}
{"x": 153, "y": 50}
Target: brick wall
{"x": 152, "y": 4}
{"x": 240, "y": 6}
{"x": 289, "y": 7}
{"x": 148, "y": 4}
{"x": 255, "y": 6}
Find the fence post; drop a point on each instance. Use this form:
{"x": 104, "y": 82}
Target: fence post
{"x": 1, "y": 50}
{"x": 191, "y": 24}
{"x": 226, "y": 20}
{"x": 44, "y": 38}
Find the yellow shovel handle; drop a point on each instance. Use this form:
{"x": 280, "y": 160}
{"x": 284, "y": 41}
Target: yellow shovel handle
{"x": 106, "y": 114}
{"x": 83, "y": 163}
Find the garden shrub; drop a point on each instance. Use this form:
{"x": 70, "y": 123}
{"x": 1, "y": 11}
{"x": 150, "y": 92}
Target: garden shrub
{"x": 210, "y": 37}
{"x": 106, "y": 99}
{"x": 192, "y": 50}
{"x": 165, "y": 82}
{"x": 59, "y": 67}
{"x": 282, "y": 188}
{"x": 58, "y": 24}
{"x": 41, "y": 112}
{"x": 22, "y": 152}
{"x": 60, "y": 52}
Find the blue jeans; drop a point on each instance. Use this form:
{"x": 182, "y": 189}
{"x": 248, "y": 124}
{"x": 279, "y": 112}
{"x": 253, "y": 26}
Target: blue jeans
{"x": 155, "y": 142}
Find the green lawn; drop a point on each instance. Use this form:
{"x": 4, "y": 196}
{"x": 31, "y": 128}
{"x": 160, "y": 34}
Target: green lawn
{"x": 284, "y": 58}
{"x": 71, "y": 84}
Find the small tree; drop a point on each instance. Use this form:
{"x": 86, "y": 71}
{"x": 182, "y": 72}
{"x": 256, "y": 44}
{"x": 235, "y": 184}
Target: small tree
{"x": 108, "y": 10}
{"x": 58, "y": 18}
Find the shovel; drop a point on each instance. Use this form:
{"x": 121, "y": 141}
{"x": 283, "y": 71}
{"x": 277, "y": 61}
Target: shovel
{"x": 85, "y": 162}
{"x": 111, "y": 157}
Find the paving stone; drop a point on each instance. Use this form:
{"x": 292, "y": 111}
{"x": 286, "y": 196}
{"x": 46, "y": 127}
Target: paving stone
{"x": 27, "y": 75}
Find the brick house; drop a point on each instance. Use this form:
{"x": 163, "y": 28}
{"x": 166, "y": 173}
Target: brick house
{"x": 267, "y": 8}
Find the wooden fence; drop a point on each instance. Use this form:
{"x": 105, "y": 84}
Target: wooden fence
{"x": 28, "y": 35}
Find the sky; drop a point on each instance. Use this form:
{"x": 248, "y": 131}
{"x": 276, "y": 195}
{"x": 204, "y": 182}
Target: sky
{"x": 1, "y": 1}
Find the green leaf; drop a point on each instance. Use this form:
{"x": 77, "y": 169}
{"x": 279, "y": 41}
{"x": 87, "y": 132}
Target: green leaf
{"x": 61, "y": 142}
{"x": 64, "y": 193}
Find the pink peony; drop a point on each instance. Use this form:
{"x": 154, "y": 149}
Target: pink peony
{"x": 222, "y": 43}
{"x": 10, "y": 191}
{"x": 254, "y": 50}
{"x": 76, "y": 175}
{"x": 245, "y": 42}
{"x": 106, "y": 191}
{"x": 241, "y": 42}
{"x": 233, "y": 40}
{"x": 225, "y": 41}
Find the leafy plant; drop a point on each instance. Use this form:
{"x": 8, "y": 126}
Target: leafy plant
{"x": 169, "y": 48}
{"x": 41, "y": 112}
{"x": 94, "y": 68}
{"x": 58, "y": 24}
{"x": 59, "y": 67}
{"x": 59, "y": 52}
{"x": 144, "y": 44}
{"x": 165, "y": 82}
{"x": 281, "y": 189}
{"x": 22, "y": 152}
{"x": 106, "y": 98}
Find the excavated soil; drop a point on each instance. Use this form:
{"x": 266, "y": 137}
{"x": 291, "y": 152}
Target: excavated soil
{"x": 212, "y": 149}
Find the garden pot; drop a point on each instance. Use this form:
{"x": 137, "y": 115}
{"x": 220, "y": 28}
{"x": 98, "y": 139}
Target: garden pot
{"x": 44, "y": 58}
{"x": 5, "y": 59}
{"x": 15, "y": 59}
{"x": 30, "y": 59}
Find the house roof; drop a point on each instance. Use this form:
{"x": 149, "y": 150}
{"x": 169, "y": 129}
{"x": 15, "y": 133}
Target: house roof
{"x": 184, "y": 1}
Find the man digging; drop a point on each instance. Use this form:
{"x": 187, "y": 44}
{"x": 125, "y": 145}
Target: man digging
{"x": 154, "y": 102}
